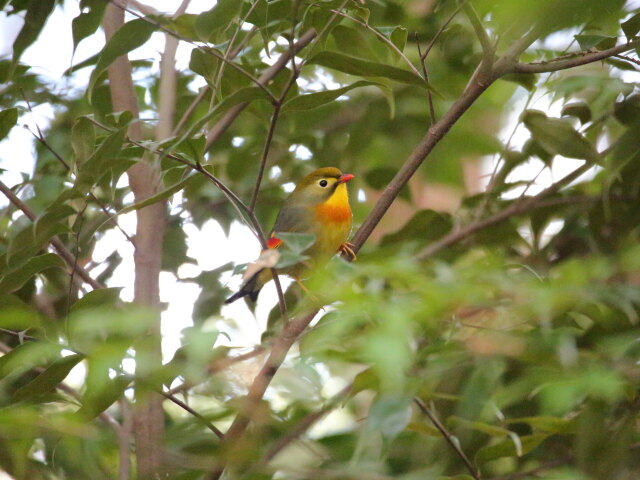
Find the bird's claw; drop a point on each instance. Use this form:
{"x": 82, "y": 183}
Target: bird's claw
{"x": 347, "y": 249}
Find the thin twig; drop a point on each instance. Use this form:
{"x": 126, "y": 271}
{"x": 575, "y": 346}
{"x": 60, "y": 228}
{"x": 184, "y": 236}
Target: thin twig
{"x": 228, "y": 118}
{"x": 281, "y": 345}
{"x": 190, "y": 410}
{"x": 66, "y": 255}
{"x": 442, "y": 28}
{"x": 448, "y": 437}
{"x": 554, "y": 65}
{"x": 305, "y": 424}
{"x": 42, "y": 140}
{"x": 515, "y": 208}
{"x": 384, "y": 39}
{"x": 425, "y": 73}
{"x": 204, "y": 48}
{"x": 265, "y": 155}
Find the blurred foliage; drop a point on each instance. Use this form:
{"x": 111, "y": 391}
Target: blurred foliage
{"x": 521, "y": 338}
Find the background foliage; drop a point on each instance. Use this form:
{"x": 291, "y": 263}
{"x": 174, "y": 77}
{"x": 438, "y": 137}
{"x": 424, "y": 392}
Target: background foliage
{"x": 494, "y": 335}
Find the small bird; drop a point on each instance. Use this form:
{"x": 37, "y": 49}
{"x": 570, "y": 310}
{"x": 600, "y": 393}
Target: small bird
{"x": 319, "y": 205}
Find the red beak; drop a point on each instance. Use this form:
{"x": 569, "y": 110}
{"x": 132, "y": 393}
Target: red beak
{"x": 345, "y": 177}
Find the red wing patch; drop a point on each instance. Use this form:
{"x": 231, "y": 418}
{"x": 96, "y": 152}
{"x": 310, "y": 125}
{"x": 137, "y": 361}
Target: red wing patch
{"x": 273, "y": 242}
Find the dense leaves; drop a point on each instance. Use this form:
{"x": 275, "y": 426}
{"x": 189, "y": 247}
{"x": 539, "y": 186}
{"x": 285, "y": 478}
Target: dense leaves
{"x": 491, "y": 330}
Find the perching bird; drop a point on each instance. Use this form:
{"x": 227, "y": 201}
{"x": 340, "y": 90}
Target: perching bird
{"x": 319, "y": 205}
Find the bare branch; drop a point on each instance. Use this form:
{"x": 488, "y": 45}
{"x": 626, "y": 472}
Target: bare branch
{"x": 384, "y": 39}
{"x": 442, "y": 28}
{"x": 448, "y": 437}
{"x": 66, "y": 255}
{"x": 281, "y": 345}
{"x": 517, "y": 208}
{"x": 584, "y": 58}
{"x": 190, "y": 410}
{"x": 477, "y": 85}
{"x": 305, "y": 424}
{"x": 227, "y": 119}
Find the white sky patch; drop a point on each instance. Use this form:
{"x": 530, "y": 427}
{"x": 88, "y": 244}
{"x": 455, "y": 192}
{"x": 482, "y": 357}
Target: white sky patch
{"x": 362, "y": 195}
{"x": 288, "y": 187}
{"x": 301, "y": 152}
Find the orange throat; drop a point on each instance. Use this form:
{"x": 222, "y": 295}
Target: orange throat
{"x": 336, "y": 208}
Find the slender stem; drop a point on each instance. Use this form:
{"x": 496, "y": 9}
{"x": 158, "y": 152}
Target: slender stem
{"x": 281, "y": 345}
{"x": 448, "y": 437}
{"x": 516, "y": 208}
{"x": 305, "y": 424}
{"x": 190, "y": 410}
{"x": 66, "y": 255}
{"x": 477, "y": 85}
{"x": 384, "y": 39}
{"x": 228, "y": 118}
{"x": 442, "y": 28}
{"x": 585, "y": 58}
{"x": 206, "y": 49}
{"x": 265, "y": 154}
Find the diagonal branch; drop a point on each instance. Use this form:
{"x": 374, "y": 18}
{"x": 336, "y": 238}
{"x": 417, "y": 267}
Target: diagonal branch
{"x": 477, "y": 85}
{"x": 228, "y": 118}
{"x": 66, "y": 255}
{"x": 584, "y": 58}
{"x": 517, "y": 208}
{"x": 448, "y": 437}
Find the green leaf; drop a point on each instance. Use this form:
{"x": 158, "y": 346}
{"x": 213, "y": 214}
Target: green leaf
{"x": 49, "y": 379}
{"x": 390, "y": 414}
{"x": 97, "y": 400}
{"x": 98, "y": 164}
{"x": 85, "y": 24}
{"x": 158, "y": 197}
{"x": 26, "y": 356}
{"x": 580, "y": 110}
{"x": 15, "y": 279}
{"x": 599, "y": 42}
{"x": 365, "y": 68}
{"x": 103, "y": 297}
{"x": 35, "y": 18}
{"x": 631, "y": 27}
{"x": 8, "y": 119}
{"x": 548, "y": 424}
{"x": 493, "y": 430}
{"x": 510, "y": 448}
{"x": 558, "y": 137}
{"x": 83, "y": 139}
{"x": 219, "y": 17}
{"x": 314, "y": 100}
{"x": 15, "y": 314}
{"x": 130, "y": 36}
{"x": 296, "y": 242}
{"x": 424, "y": 226}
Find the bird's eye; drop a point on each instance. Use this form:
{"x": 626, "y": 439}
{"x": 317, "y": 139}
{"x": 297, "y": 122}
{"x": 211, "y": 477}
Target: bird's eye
{"x": 323, "y": 183}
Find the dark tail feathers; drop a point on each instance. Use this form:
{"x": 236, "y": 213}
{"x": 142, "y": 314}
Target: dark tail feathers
{"x": 250, "y": 289}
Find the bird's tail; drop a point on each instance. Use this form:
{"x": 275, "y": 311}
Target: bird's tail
{"x": 251, "y": 288}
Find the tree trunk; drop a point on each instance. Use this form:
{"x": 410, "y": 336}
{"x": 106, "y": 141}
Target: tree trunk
{"x": 145, "y": 181}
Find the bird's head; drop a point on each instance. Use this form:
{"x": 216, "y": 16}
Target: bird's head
{"x": 320, "y": 185}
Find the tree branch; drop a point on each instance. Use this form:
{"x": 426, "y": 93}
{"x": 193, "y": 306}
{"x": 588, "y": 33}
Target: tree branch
{"x": 228, "y": 118}
{"x": 281, "y": 345}
{"x": 66, "y": 255}
{"x": 477, "y": 85}
{"x": 585, "y": 58}
{"x": 448, "y": 437}
{"x": 517, "y": 208}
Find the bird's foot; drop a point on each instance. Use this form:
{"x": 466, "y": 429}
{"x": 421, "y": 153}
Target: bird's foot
{"x": 347, "y": 249}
